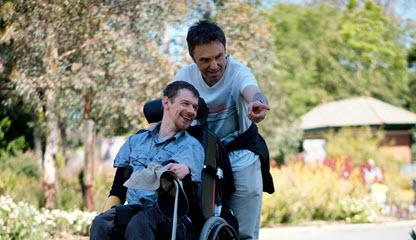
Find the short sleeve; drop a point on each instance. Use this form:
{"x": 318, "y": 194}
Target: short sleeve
{"x": 246, "y": 78}
{"x": 122, "y": 157}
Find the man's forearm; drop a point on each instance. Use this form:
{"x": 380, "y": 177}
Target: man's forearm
{"x": 259, "y": 96}
{"x": 253, "y": 93}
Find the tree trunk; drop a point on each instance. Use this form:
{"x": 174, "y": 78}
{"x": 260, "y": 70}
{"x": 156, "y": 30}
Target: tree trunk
{"x": 49, "y": 162}
{"x": 37, "y": 140}
{"x": 89, "y": 144}
{"x": 64, "y": 139}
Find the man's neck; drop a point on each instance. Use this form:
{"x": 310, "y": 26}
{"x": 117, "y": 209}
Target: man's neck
{"x": 210, "y": 83}
{"x": 166, "y": 131}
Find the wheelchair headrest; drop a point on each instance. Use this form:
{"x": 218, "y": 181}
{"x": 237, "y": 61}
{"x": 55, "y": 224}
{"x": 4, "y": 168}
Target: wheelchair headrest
{"x": 153, "y": 110}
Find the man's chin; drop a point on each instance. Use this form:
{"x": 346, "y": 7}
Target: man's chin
{"x": 183, "y": 127}
{"x": 215, "y": 78}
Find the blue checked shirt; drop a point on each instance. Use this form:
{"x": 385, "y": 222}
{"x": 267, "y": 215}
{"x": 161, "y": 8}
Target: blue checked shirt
{"x": 145, "y": 147}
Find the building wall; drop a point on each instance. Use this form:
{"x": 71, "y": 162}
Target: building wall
{"x": 397, "y": 144}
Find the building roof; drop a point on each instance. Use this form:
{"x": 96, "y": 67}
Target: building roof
{"x": 359, "y": 111}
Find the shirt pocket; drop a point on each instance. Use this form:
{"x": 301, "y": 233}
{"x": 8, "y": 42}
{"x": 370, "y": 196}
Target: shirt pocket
{"x": 163, "y": 155}
{"x": 138, "y": 160}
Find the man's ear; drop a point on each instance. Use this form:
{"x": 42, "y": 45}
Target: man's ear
{"x": 165, "y": 101}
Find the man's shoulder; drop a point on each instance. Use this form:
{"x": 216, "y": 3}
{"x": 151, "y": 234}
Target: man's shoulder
{"x": 139, "y": 135}
{"x": 236, "y": 65}
{"x": 188, "y": 69}
{"x": 188, "y": 141}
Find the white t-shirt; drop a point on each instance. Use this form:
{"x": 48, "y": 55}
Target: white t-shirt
{"x": 228, "y": 110}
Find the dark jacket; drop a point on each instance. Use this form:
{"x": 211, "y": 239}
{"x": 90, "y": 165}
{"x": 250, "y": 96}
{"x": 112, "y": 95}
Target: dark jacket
{"x": 253, "y": 141}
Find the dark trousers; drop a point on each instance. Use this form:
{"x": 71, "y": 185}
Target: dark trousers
{"x": 150, "y": 224}
{"x": 153, "y": 225}
{"x": 102, "y": 225}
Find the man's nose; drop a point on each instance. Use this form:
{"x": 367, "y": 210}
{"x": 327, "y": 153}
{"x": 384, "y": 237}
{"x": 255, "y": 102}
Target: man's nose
{"x": 192, "y": 111}
{"x": 213, "y": 64}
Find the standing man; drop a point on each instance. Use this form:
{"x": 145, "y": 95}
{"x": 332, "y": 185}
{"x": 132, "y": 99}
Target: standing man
{"x": 235, "y": 101}
{"x": 166, "y": 141}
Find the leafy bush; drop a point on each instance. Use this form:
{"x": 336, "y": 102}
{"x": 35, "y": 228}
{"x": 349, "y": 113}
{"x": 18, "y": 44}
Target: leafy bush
{"x": 20, "y": 177}
{"x": 363, "y": 143}
{"x": 315, "y": 192}
{"x": 69, "y": 195}
{"x": 102, "y": 186}
{"x": 358, "y": 143}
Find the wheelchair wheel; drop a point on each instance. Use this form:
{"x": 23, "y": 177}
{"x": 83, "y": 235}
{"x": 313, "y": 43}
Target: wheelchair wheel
{"x": 217, "y": 228}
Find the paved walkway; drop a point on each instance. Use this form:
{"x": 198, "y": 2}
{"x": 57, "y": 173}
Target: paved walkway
{"x": 398, "y": 230}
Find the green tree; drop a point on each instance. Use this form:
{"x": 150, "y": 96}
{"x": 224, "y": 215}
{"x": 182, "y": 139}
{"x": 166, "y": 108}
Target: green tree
{"x": 327, "y": 53}
{"x": 411, "y": 58}
{"x": 88, "y": 62}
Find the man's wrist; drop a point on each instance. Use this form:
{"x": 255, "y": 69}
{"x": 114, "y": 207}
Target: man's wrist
{"x": 261, "y": 98}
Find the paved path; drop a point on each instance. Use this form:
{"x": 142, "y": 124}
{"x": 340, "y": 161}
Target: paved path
{"x": 378, "y": 231}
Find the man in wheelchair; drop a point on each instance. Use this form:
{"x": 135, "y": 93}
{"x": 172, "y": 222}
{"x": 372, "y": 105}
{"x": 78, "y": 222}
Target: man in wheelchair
{"x": 168, "y": 144}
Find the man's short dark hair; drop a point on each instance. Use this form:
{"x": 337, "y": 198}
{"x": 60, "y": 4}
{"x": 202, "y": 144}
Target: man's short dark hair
{"x": 173, "y": 88}
{"x": 204, "y": 32}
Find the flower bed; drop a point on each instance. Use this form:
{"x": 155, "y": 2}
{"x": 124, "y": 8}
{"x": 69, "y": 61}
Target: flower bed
{"x": 23, "y": 221}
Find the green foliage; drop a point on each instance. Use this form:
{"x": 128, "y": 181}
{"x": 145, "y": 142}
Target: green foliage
{"x": 312, "y": 192}
{"x": 69, "y": 195}
{"x": 362, "y": 144}
{"x": 359, "y": 143}
{"x": 326, "y": 53}
{"x": 13, "y": 146}
{"x": 102, "y": 185}
{"x": 20, "y": 178}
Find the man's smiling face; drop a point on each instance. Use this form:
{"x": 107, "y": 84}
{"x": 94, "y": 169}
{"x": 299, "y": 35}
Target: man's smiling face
{"x": 211, "y": 61}
{"x": 182, "y": 109}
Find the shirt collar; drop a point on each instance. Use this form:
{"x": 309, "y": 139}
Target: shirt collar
{"x": 153, "y": 131}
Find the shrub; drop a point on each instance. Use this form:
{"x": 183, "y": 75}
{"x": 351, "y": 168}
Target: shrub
{"x": 363, "y": 143}
{"x": 102, "y": 186}
{"x": 315, "y": 192}
{"x": 18, "y": 174}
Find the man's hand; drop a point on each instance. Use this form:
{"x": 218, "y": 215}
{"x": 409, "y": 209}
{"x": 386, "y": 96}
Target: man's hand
{"x": 257, "y": 111}
{"x": 180, "y": 170}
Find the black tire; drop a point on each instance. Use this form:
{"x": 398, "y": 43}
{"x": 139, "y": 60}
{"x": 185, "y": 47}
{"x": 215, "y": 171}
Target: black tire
{"x": 216, "y": 228}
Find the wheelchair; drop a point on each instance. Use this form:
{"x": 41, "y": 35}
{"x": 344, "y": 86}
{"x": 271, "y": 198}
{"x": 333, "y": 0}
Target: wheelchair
{"x": 213, "y": 218}
{"x": 216, "y": 176}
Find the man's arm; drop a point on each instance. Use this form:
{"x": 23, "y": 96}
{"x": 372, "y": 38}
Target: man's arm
{"x": 258, "y": 104}
{"x": 118, "y": 192}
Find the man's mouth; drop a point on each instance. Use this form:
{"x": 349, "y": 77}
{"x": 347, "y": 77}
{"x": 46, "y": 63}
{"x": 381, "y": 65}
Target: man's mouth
{"x": 216, "y": 72}
{"x": 187, "y": 119}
